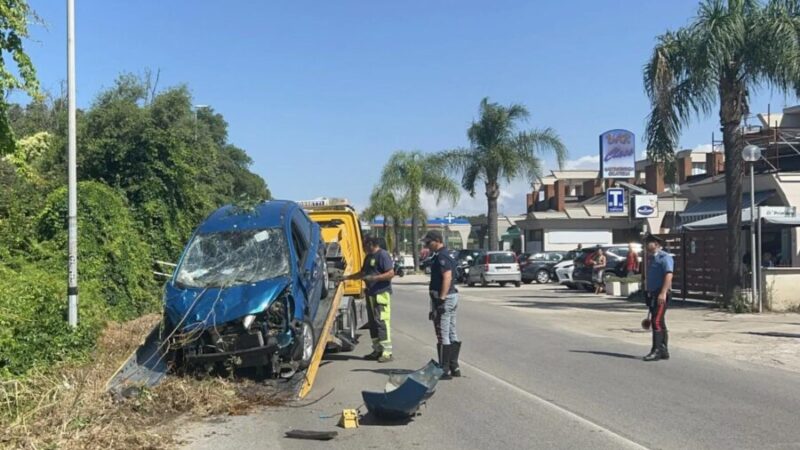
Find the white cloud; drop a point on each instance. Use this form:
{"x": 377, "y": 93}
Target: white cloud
{"x": 512, "y": 201}
{"x": 703, "y": 148}
{"x": 588, "y": 162}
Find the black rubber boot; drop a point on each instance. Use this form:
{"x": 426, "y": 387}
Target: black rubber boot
{"x": 455, "y": 370}
{"x": 439, "y": 354}
{"x": 664, "y": 349}
{"x": 447, "y": 352}
{"x": 655, "y": 355}
{"x": 373, "y": 356}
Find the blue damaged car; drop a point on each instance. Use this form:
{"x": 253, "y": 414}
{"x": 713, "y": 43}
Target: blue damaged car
{"x": 250, "y": 290}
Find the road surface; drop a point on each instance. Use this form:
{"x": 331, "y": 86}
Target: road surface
{"x": 530, "y": 384}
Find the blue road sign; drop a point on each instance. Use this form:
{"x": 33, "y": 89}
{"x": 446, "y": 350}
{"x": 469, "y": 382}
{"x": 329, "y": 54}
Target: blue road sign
{"x": 615, "y": 200}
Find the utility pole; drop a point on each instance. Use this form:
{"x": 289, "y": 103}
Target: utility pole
{"x": 72, "y": 174}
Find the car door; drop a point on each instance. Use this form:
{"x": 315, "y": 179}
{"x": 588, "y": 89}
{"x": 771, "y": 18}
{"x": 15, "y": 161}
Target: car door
{"x": 477, "y": 267}
{"x": 301, "y": 241}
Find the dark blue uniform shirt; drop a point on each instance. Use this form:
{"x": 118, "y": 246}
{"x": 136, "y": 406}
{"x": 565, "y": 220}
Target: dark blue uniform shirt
{"x": 443, "y": 262}
{"x": 376, "y": 264}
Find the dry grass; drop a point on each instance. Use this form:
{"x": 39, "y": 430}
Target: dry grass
{"x": 69, "y": 408}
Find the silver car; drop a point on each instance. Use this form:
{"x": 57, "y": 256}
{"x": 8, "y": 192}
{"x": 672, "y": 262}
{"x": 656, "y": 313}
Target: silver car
{"x": 495, "y": 267}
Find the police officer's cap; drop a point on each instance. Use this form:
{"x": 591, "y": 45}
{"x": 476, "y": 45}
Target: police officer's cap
{"x": 653, "y": 238}
{"x": 433, "y": 235}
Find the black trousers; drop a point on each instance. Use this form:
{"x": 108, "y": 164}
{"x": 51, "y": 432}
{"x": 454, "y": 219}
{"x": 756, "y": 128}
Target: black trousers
{"x": 658, "y": 312}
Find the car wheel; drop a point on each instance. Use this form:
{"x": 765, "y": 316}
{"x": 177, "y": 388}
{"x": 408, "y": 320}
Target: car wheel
{"x": 503, "y": 284}
{"x": 517, "y": 284}
{"x": 325, "y": 281}
{"x": 542, "y": 276}
{"x": 527, "y": 281}
{"x": 308, "y": 345}
{"x": 471, "y": 284}
{"x": 571, "y": 286}
{"x": 484, "y": 283}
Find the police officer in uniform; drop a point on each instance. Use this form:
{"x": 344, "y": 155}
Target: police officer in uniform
{"x": 659, "y": 293}
{"x": 377, "y": 272}
{"x": 444, "y": 303}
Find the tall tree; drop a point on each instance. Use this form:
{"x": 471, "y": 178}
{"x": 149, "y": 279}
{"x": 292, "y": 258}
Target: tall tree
{"x": 392, "y": 207}
{"x": 499, "y": 152}
{"x": 730, "y": 49}
{"x": 409, "y": 174}
{"x": 14, "y": 15}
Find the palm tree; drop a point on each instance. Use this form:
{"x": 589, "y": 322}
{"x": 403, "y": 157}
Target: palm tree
{"x": 730, "y": 49}
{"x": 499, "y": 152}
{"x": 383, "y": 202}
{"x": 408, "y": 175}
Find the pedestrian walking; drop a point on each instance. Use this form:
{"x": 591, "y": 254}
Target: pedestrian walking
{"x": 377, "y": 272}
{"x": 659, "y": 293}
{"x": 632, "y": 261}
{"x": 598, "y": 270}
{"x": 444, "y": 304}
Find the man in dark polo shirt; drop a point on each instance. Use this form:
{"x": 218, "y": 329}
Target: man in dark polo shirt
{"x": 377, "y": 273}
{"x": 444, "y": 302}
{"x": 659, "y": 293}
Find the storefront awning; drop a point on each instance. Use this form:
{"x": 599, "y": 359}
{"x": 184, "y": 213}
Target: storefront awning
{"x": 720, "y": 222}
{"x": 711, "y": 207}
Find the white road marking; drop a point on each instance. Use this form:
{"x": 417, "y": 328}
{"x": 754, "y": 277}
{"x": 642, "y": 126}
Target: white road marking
{"x": 622, "y": 440}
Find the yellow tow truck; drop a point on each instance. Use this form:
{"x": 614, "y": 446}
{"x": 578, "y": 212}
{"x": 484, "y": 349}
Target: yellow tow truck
{"x": 341, "y": 231}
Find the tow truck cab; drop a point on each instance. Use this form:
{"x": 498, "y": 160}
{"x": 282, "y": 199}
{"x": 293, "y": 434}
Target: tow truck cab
{"x": 341, "y": 232}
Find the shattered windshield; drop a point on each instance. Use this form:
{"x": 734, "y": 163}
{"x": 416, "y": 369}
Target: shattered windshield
{"x": 234, "y": 257}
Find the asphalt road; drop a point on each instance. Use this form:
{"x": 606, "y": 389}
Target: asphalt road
{"x": 529, "y": 384}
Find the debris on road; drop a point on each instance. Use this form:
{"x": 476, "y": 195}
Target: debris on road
{"x": 349, "y": 419}
{"x": 404, "y": 393}
{"x": 312, "y": 435}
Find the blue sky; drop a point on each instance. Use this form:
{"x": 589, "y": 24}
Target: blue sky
{"x": 320, "y": 93}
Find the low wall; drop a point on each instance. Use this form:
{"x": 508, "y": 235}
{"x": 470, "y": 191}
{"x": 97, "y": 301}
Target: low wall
{"x": 780, "y": 288}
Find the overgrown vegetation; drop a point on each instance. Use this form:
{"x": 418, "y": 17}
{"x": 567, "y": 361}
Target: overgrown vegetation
{"x": 151, "y": 168}
{"x": 68, "y": 407}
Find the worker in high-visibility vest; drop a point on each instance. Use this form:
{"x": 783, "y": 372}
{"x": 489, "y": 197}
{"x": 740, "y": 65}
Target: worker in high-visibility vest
{"x": 377, "y": 272}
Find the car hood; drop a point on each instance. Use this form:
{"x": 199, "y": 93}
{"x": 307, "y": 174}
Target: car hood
{"x": 208, "y": 307}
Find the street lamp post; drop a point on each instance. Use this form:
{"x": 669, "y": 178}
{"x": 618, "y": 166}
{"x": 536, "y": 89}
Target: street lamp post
{"x": 751, "y": 154}
{"x": 72, "y": 174}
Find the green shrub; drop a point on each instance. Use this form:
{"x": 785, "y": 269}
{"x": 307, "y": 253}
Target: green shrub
{"x": 111, "y": 251}
{"x": 33, "y": 326}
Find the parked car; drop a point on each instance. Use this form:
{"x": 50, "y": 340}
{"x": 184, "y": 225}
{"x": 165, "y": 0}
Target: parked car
{"x": 538, "y": 267}
{"x": 563, "y": 269}
{"x": 463, "y": 253}
{"x": 616, "y": 256}
{"x": 495, "y": 267}
{"x": 525, "y": 258}
{"x": 247, "y": 290}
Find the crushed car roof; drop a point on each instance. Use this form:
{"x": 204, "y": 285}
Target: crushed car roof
{"x": 269, "y": 214}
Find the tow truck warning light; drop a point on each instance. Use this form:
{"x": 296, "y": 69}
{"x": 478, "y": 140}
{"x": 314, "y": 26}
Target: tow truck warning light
{"x": 324, "y": 202}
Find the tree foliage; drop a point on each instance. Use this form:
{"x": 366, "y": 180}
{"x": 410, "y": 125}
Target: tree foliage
{"x": 151, "y": 168}
{"x": 500, "y": 152}
{"x": 14, "y": 15}
{"x": 393, "y": 208}
{"x": 409, "y": 174}
{"x": 728, "y": 51}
